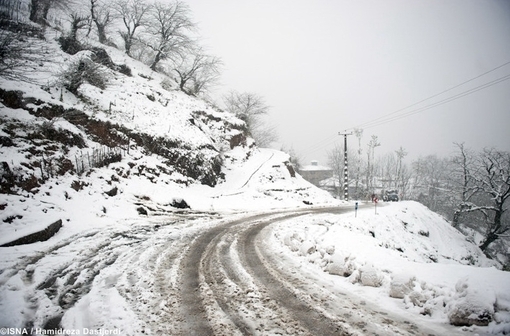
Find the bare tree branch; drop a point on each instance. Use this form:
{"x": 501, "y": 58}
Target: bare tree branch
{"x": 197, "y": 72}
{"x": 167, "y": 33}
{"x": 250, "y": 107}
{"x": 18, "y": 53}
{"x": 133, "y": 15}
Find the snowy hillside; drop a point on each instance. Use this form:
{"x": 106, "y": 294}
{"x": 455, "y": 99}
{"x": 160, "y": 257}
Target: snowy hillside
{"x": 102, "y": 154}
{"x": 405, "y": 258}
{"x": 143, "y": 109}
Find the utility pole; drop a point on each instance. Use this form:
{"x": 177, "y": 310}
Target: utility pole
{"x": 346, "y": 180}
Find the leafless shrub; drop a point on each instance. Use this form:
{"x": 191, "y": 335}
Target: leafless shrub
{"x": 83, "y": 70}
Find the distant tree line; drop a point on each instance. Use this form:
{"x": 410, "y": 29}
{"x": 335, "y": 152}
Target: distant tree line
{"x": 471, "y": 189}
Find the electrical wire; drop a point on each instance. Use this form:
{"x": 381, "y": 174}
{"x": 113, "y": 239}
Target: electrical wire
{"x": 389, "y": 118}
{"x": 433, "y": 96}
{"x": 320, "y": 144}
{"x": 396, "y": 115}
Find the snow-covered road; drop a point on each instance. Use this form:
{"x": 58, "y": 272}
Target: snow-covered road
{"x": 188, "y": 274}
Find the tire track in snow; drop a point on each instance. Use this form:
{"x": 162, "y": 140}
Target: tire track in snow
{"x": 250, "y": 308}
{"x": 193, "y": 283}
{"x": 250, "y": 291}
{"x": 315, "y": 322}
{"x": 227, "y": 290}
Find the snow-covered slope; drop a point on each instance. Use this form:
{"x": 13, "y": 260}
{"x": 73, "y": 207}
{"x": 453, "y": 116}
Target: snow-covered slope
{"x": 405, "y": 257}
{"x": 103, "y": 155}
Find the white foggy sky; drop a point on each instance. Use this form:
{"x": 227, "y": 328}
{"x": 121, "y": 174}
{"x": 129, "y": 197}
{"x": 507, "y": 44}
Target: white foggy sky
{"x": 329, "y": 65}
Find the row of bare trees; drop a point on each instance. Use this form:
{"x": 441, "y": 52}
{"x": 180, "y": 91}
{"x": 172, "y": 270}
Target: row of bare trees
{"x": 471, "y": 189}
{"x": 158, "y": 33}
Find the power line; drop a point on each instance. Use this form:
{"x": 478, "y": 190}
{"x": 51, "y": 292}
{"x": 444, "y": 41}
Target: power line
{"x": 433, "y": 96}
{"x": 395, "y": 115}
{"x": 386, "y": 119}
{"x": 321, "y": 144}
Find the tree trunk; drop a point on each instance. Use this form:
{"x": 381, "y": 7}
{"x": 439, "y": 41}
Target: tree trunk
{"x": 101, "y": 32}
{"x": 156, "y": 61}
{"x": 34, "y": 8}
{"x": 494, "y": 231}
{"x": 491, "y": 237}
{"x": 46, "y": 9}
{"x": 456, "y": 217}
{"x": 127, "y": 43}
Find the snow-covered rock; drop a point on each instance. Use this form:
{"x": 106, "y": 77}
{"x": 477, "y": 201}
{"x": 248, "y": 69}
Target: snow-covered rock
{"x": 401, "y": 285}
{"x": 370, "y": 276}
{"x": 473, "y": 303}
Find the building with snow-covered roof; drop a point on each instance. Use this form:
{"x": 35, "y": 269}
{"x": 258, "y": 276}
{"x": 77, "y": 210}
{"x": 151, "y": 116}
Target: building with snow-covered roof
{"x": 314, "y": 173}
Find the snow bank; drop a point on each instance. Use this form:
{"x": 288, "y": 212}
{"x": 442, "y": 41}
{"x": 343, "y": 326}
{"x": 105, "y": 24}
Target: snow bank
{"x": 407, "y": 253}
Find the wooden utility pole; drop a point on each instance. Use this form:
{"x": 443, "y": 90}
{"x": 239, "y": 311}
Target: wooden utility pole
{"x": 346, "y": 171}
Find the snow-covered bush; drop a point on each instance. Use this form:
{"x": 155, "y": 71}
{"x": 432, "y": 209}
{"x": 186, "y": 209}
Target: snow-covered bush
{"x": 293, "y": 242}
{"x": 307, "y": 248}
{"x": 470, "y": 305}
{"x": 342, "y": 265}
{"x": 401, "y": 285}
{"x": 82, "y": 70}
{"x": 369, "y": 276}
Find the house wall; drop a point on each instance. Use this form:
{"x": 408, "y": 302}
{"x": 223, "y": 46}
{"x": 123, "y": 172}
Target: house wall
{"x": 315, "y": 176}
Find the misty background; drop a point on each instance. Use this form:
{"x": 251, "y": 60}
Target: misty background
{"x": 330, "y": 66}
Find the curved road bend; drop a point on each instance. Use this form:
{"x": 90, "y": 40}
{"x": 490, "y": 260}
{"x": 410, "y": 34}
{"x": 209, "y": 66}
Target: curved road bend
{"x": 231, "y": 284}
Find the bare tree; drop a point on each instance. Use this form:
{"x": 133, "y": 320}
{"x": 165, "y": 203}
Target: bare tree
{"x": 493, "y": 181}
{"x": 69, "y": 42}
{"x": 336, "y": 162}
{"x": 372, "y": 144}
{"x": 18, "y": 52}
{"x": 401, "y": 154}
{"x": 250, "y": 108}
{"x": 388, "y": 170}
{"x": 263, "y": 133}
{"x": 463, "y": 171}
{"x": 197, "y": 71}
{"x": 133, "y": 15}
{"x": 78, "y": 22}
{"x": 475, "y": 188}
{"x": 405, "y": 181}
{"x": 167, "y": 32}
{"x": 432, "y": 178}
{"x": 102, "y": 18}
{"x": 294, "y": 158}
{"x": 358, "y": 132}
{"x": 14, "y": 10}
{"x": 246, "y": 106}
